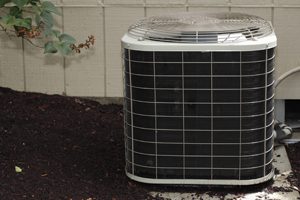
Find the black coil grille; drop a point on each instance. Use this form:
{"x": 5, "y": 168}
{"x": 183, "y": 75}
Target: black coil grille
{"x": 199, "y": 115}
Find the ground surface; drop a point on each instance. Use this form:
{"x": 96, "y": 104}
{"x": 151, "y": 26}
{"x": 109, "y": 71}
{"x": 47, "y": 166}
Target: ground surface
{"x": 69, "y": 148}
{"x": 294, "y": 156}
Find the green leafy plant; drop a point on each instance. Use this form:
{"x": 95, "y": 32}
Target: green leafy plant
{"x": 33, "y": 19}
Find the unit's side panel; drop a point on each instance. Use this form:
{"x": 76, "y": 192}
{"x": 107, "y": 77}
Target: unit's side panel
{"x": 257, "y": 110}
{"x": 127, "y": 112}
{"x": 140, "y": 108}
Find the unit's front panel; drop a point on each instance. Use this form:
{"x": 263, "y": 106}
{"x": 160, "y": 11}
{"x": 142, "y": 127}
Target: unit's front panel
{"x": 199, "y": 115}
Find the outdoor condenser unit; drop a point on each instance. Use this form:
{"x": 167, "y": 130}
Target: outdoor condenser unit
{"x": 199, "y": 99}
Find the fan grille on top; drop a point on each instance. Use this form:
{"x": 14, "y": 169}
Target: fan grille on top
{"x": 197, "y": 28}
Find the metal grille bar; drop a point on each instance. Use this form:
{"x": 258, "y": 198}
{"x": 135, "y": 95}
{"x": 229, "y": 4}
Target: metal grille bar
{"x": 195, "y": 28}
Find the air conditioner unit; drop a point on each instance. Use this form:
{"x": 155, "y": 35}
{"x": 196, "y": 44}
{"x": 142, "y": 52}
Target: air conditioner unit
{"x": 199, "y": 99}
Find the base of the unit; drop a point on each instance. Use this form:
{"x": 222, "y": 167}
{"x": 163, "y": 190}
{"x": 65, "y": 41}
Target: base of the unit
{"x": 202, "y": 181}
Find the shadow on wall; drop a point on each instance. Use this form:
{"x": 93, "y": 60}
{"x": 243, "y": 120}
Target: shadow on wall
{"x": 35, "y": 51}
{"x": 10, "y": 42}
{"x": 55, "y": 59}
{"x": 86, "y": 54}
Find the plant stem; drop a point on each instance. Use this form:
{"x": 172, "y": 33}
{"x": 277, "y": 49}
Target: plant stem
{"x": 10, "y": 36}
{"x": 33, "y": 44}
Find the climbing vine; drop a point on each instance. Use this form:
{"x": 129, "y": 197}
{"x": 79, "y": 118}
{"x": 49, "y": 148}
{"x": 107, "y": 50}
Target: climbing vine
{"x": 34, "y": 19}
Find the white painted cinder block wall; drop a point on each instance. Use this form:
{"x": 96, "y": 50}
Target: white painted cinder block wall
{"x": 98, "y": 72}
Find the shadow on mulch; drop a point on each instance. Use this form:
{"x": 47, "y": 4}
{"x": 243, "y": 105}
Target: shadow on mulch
{"x": 69, "y": 148}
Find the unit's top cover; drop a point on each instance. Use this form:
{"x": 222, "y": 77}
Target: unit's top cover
{"x": 201, "y": 28}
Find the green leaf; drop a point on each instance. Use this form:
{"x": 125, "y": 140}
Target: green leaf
{"x": 56, "y": 33}
{"x": 64, "y": 48}
{"x": 3, "y": 2}
{"x": 47, "y": 18}
{"x": 15, "y": 11}
{"x": 26, "y": 23}
{"x": 50, "y": 7}
{"x": 50, "y": 48}
{"x": 8, "y": 20}
{"x": 48, "y": 32}
{"x": 18, "y": 169}
{"x": 66, "y": 38}
{"x": 20, "y": 3}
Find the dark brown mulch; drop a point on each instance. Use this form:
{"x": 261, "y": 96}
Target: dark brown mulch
{"x": 69, "y": 148}
{"x": 293, "y": 151}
